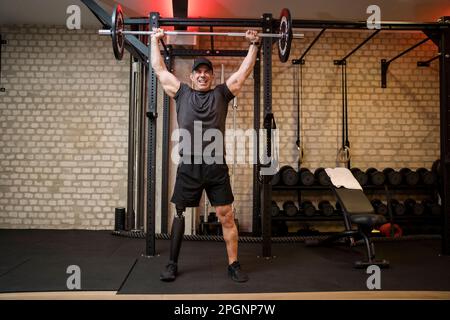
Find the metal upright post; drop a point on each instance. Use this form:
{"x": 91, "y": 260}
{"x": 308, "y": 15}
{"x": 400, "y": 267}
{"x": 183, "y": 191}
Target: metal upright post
{"x": 267, "y": 103}
{"x": 444, "y": 74}
{"x": 131, "y": 152}
{"x": 256, "y": 228}
{"x": 152, "y": 115}
{"x": 165, "y": 152}
{"x": 141, "y": 149}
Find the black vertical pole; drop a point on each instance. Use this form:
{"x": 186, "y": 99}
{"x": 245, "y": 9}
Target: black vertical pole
{"x": 256, "y": 228}
{"x": 1, "y": 42}
{"x": 267, "y": 102}
{"x": 444, "y": 72}
{"x": 141, "y": 120}
{"x": 131, "y": 153}
{"x": 141, "y": 158}
{"x": 152, "y": 115}
{"x": 165, "y": 152}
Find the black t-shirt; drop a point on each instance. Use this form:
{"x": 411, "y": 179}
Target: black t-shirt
{"x": 198, "y": 112}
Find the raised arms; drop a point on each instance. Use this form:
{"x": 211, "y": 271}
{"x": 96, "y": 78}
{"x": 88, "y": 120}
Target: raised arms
{"x": 237, "y": 79}
{"x": 169, "y": 82}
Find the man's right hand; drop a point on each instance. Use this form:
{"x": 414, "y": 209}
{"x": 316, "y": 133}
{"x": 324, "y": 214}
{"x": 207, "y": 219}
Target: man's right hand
{"x": 158, "y": 33}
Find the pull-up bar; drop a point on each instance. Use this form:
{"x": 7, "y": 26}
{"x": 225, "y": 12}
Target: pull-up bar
{"x": 1, "y": 42}
{"x": 385, "y": 64}
{"x": 341, "y": 61}
{"x": 301, "y": 60}
{"x": 427, "y": 63}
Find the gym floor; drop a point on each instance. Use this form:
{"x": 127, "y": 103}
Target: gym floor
{"x": 34, "y": 263}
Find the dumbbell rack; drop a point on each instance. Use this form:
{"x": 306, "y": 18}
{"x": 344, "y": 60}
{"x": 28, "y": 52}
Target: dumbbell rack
{"x": 408, "y": 219}
{"x": 317, "y": 216}
{"x": 385, "y": 189}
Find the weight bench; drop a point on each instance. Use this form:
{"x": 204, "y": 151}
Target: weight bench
{"x": 357, "y": 210}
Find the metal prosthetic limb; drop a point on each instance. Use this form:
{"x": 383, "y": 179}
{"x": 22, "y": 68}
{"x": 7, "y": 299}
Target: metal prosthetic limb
{"x": 177, "y": 234}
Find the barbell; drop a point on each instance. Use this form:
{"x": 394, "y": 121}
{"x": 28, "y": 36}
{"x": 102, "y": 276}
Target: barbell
{"x": 284, "y": 34}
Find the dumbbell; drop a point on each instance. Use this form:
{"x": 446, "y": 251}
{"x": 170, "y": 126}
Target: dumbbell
{"x": 426, "y": 176}
{"x": 410, "y": 177}
{"x": 360, "y": 176}
{"x": 431, "y": 207}
{"x": 380, "y": 207}
{"x": 375, "y": 177}
{"x": 436, "y": 168}
{"x": 398, "y": 208}
{"x": 306, "y": 177}
{"x": 393, "y": 177}
{"x": 322, "y": 177}
{"x": 275, "y": 211}
{"x": 326, "y": 208}
{"x": 290, "y": 209}
{"x": 413, "y": 207}
{"x": 308, "y": 208}
{"x": 289, "y": 176}
{"x": 275, "y": 179}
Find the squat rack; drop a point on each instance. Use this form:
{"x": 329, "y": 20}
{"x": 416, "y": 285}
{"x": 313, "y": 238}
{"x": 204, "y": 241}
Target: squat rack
{"x": 438, "y": 32}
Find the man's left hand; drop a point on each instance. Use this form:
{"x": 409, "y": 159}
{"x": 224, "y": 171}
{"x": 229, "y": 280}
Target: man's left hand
{"x": 252, "y": 36}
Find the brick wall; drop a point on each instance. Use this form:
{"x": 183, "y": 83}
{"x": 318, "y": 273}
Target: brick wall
{"x": 64, "y": 118}
{"x": 63, "y": 129}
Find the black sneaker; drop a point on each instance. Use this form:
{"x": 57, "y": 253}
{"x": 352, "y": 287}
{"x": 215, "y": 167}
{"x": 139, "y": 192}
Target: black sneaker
{"x": 235, "y": 272}
{"x": 170, "y": 273}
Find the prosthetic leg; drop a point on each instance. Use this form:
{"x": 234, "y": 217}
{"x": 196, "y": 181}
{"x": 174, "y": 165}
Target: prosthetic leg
{"x": 170, "y": 273}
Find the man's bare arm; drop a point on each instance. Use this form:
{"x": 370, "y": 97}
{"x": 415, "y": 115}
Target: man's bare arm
{"x": 237, "y": 79}
{"x": 169, "y": 82}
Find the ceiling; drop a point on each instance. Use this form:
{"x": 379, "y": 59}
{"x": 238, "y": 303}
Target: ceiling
{"x": 53, "y": 12}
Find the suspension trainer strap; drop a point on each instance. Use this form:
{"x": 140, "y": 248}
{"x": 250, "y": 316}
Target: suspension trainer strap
{"x": 343, "y": 104}
{"x": 297, "y": 101}
{"x": 298, "y": 93}
{"x": 347, "y": 142}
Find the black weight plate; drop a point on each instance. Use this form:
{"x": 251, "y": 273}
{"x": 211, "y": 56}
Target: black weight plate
{"x": 116, "y": 32}
{"x": 285, "y": 29}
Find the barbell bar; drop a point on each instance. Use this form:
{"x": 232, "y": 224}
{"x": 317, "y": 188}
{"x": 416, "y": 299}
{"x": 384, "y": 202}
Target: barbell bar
{"x": 284, "y": 35}
{"x": 105, "y": 32}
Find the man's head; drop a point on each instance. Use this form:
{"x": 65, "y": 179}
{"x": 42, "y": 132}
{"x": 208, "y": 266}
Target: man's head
{"x": 202, "y": 74}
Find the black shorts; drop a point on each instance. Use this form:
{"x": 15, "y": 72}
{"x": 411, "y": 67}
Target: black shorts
{"x": 193, "y": 178}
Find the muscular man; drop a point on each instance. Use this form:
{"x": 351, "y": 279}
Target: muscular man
{"x": 200, "y": 108}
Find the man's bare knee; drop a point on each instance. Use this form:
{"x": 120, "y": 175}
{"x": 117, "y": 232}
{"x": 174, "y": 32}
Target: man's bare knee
{"x": 225, "y": 215}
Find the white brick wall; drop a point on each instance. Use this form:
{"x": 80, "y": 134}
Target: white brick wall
{"x": 64, "y": 118}
{"x": 63, "y": 129}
